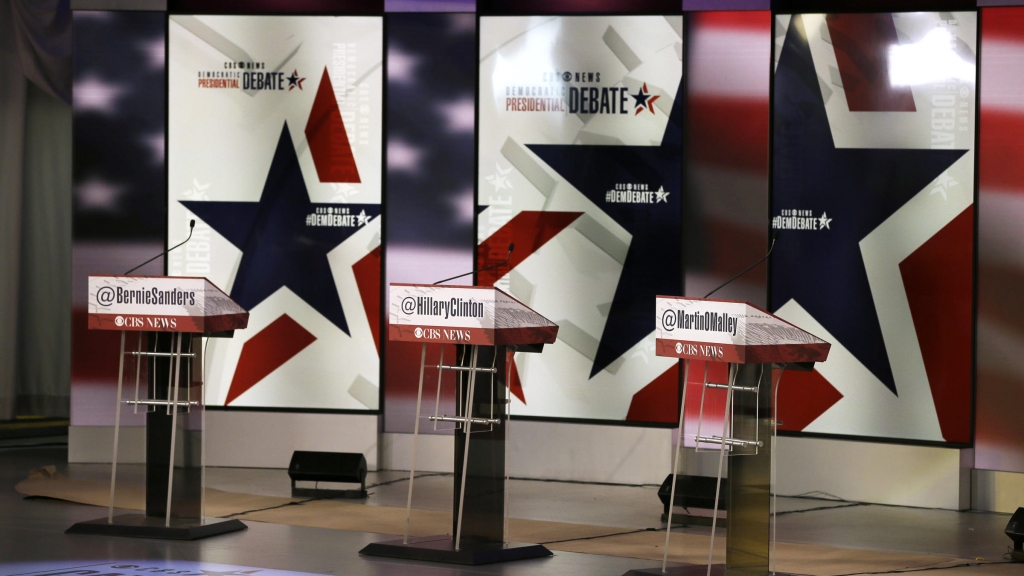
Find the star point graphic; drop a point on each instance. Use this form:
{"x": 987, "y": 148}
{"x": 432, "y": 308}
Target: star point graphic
{"x": 500, "y": 179}
{"x": 823, "y": 222}
{"x": 660, "y": 195}
{"x": 651, "y": 264}
{"x": 643, "y": 99}
{"x": 294, "y": 81}
{"x": 866, "y": 186}
{"x": 362, "y": 219}
{"x": 280, "y": 246}
{"x": 944, "y": 183}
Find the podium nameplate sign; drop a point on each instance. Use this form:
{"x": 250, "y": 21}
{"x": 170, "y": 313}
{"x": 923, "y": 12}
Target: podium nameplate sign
{"x": 730, "y": 331}
{"x": 161, "y": 304}
{"x": 475, "y": 315}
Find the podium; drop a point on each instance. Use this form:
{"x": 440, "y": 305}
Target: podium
{"x": 758, "y": 347}
{"x": 170, "y": 316}
{"x": 488, "y": 326}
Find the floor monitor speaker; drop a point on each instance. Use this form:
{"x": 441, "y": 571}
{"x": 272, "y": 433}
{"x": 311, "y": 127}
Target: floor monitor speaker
{"x": 337, "y": 467}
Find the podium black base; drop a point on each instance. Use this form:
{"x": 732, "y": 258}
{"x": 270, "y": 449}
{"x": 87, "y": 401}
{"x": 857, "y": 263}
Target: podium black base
{"x": 695, "y": 570}
{"x": 141, "y": 526}
{"x": 442, "y": 549}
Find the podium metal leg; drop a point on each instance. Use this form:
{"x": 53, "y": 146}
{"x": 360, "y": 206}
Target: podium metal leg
{"x": 675, "y": 463}
{"x": 465, "y": 454}
{"x": 415, "y": 434}
{"x": 774, "y": 446}
{"x": 117, "y": 430}
{"x": 721, "y": 460}
{"x": 172, "y": 405}
{"x": 138, "y": 373}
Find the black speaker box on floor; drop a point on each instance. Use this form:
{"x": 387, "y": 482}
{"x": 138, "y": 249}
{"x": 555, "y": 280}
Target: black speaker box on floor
{"x": 344, "y": 467}
{"x": 693, "y": 492}
{"x": 1015, "y": 530}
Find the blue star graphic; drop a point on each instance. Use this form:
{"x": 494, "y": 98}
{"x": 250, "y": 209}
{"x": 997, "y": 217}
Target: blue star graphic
{"x": 653, "y": 261}
{"x": 294, "y": 81}
{"x": 282, "y": 243}
{"x": 641, "y": 98}
{"x": 823, "y": 270}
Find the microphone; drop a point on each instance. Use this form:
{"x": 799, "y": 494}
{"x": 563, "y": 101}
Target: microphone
{"x": 770, "y": 248}
{"x": 191, "y": 226}
{"x": 511, "y": 247}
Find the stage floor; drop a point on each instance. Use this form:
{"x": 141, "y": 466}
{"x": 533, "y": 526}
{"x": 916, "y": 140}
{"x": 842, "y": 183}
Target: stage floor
{"x": 33, "y": 530}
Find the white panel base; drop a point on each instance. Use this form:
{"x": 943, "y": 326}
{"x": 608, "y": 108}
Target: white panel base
{"x": 872, "y": 472}
{"x": 242, "y": 439}
{"x": 434, "y": 452}
{"x": 554, "y": 451}
{"x": 95, "y": 445}
{"x": 590, "y": 453}
{"x": 267, "y": 439}
{"x": 997, "y": 491}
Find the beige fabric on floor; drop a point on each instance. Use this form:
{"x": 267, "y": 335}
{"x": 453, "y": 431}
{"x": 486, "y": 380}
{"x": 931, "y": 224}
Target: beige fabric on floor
{"x": 558, "y": 536}
{"x": 390, "y": 520}
{"x": 47, "y": 483}
{"x": 792, "y": 558}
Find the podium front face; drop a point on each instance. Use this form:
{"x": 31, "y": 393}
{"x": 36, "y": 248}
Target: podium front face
{"x": 167, "y": 317}
{"x": 758, "y": 346}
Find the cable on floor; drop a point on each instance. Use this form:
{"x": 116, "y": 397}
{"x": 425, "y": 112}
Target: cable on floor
{"x": 308, "y": 500}
{"x": 602, "y": 536}
{"x": 817, "y": 508}
{"x": 404, "y": 479}
{"x": 927, "y": 568}
{"x": 43, "y": 445}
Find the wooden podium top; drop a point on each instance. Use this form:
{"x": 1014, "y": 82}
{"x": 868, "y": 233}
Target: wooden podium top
{"x": 464, "y": 315}
{"x": 731, "y": 331}
{"x": 162, "y": 304}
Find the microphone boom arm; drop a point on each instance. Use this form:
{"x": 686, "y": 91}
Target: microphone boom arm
{"x": 748, "y": 269}
{"x": 192, "y": 226}
{"x": 511, "y": 247}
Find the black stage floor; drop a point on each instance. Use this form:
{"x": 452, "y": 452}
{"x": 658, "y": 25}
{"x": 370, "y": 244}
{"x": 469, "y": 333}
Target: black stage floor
{"x": 33, "y": 531}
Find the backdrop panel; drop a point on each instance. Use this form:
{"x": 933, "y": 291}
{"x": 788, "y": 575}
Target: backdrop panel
{"x": 726, "y": 153}
{"x": 579, "y": 165}
{"x": 274, "y": 147}
{"x": 873, "y": 197}
{"x": 118, "y": 125}
{"x": 999, "y": 431}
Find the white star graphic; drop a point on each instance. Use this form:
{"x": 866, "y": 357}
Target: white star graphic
{"x": 660, "y": 195}
{"x": 500, "y": 178}
{"x": 944, "y": 184}
{"x": 823, "y": 222}
{"x": 362, "y": 219}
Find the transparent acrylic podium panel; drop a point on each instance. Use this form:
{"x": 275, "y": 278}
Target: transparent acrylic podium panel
{"x": 161, "y": 376}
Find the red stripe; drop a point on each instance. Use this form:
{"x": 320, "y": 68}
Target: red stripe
{"x": 1002, "y": 23}
{"x": 756, "y": 20}
{"x": 803, "y": 397}
{"x": 861, "y": 43}
{"x": 367, "y": 273}
{"x": 1001, "y": 150}
{"x": 328, "y": 140}
{"x": 729, "y": 132}
{"x": 528, "y": 230}
{"x": 267, "y": 351}
{"x": 657, "y": 401}
{"x": 937, "y": 277}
